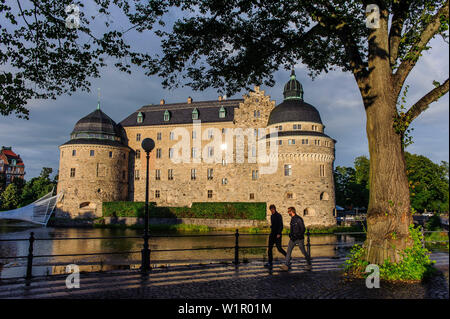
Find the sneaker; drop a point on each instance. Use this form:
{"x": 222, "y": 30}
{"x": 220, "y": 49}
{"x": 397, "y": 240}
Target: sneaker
{"x": 284, "y": 267}
{"x": 268, "y": 265}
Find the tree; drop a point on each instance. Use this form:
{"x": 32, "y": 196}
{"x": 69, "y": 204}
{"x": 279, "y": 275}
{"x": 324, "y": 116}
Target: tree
{"x": 428, "y": 183}
{"x": 44, "y": 52}
{"x": 10, "y": 197}
{"x": 37, "y": 187}
{"x": 230, "y": 45}
{"x": 350, "y": 192}
{"x": 362, "y": 170}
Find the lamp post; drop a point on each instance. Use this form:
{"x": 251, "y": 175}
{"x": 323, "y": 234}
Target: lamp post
{"x": 148, "y": 145}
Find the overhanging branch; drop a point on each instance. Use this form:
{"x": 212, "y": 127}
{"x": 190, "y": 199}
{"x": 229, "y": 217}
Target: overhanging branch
{"x": 426, "y": 100}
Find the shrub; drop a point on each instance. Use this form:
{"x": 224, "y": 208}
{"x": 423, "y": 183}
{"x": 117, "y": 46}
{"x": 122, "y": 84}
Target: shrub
{"x": 256, "y": 211}
{"x": 415, "y": 263}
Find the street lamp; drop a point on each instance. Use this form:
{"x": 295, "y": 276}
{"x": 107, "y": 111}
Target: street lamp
{"x": 148, "y": 145}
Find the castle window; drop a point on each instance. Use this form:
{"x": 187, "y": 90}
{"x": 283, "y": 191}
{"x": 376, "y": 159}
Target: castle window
{"x": 166, "y": 116}
{"x": 224, "y": 130}
{"x": 92, "y": 152}
{"x": 308, "y": 211}
{"x": 289, "y": 195}
{"x": 224, "y": 181}
{"x": 256, "y": 114}
{"x": 136, "y": 175}
{"x": 324, "y": 196}
{"x": 252, "y": 196}
{"x": 222, "y": 112}
{"x": 210, "y": 133}
{"x": 140, "y": 117}
{"x": 210, "y": 193}
{"x": 110, "y": 154}
{"x": 279, "y": 142}
{"x": 158, "y": 174}
{"x": 74, "y": 152}
{"x": 172, "y": 136}
{"x": 72, "y": 172}
{"x": 210, "y": 151}
{"x": 194, "y": 135}
{"x": 253, "y": 151}
{"x": 287, "y": 170}
{"x": 193, "y": 174}
{"x": 304, "y": 141}
{"x": 291, "y": 142}
{"x": 170, "y": 152}
{"x": 194, "y": 152}
{"x": 158, "y": 153}
{"x": 195, "y": 114}
{"x": 297, "y": 127}
{"x": 315, "y": 127}
{"x": 138, "y": 154}
{"x": 158, "y": 136}
{"x": 170, "y": 174}
{"x": 255, "y": 175}
{"x": 157, "y": 194}
{"x": 138, "y": 137}
{"x": 322, "y": 170}
{"x": 317, "y": 142}
{"x": 210, "y": 173}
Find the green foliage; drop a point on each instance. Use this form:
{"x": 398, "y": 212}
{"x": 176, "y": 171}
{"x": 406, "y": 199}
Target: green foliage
{"x": 10, "y": 198}
{"x": 402, "y": 121}
{"x": 255, "y": 211}
{"x": 415, "y": 262}
{"x": 352, "y": 185}
{"x": 433, "y": 223}
{"x": 428, "y": 183}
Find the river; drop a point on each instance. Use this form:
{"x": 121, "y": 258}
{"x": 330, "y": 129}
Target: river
{"x": 52, "y": 265}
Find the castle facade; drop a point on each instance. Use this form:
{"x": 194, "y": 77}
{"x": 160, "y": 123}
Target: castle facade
{"x": 103, "y": 161}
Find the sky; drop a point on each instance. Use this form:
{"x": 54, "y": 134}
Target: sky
{"x": 334, "y": 94}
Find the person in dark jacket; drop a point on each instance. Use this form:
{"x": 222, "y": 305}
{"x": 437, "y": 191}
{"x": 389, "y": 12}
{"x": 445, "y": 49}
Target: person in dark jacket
{"x": 276, "y": 227}
{"x": 297, "y": 236}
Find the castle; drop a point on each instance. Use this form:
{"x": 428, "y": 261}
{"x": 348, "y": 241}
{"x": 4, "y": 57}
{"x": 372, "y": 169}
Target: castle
{"x": 103, "y": 161}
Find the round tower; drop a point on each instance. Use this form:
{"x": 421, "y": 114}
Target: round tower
{"x": 93, "y": 167}
{"x": 304, "y": 178}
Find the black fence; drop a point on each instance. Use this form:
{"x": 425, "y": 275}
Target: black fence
{"x": 236, "y": 260}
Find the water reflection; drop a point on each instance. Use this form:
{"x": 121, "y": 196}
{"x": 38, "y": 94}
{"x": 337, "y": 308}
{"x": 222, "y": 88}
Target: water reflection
{"x": 62, "y": 247}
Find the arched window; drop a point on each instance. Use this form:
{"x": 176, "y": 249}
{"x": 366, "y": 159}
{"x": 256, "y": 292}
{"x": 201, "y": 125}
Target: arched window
{"x": 166, "y": 116}
{"x": 222, "y": 112}
{"x": 324, "y": 196}
{"x": 308, "y": 212}
{"x": 140, "y": 117}
{"x": 195, "y": 114}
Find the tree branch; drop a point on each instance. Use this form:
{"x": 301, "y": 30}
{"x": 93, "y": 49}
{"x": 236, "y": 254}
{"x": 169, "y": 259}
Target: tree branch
{"x": 426, "y": 100}
{"x": 395, "y": 33}
{"x": 413, "y": 55}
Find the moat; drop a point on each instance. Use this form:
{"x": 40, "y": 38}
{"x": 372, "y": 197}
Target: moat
{"x": 50, "y": 265}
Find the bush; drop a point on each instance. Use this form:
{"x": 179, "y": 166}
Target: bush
{"x": 415, "y": 263}
{"x": 255, "y": 211}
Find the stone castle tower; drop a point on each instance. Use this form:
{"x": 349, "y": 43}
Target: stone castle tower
{"x": 104, "y": 161}
{"x": 93, "y": 167}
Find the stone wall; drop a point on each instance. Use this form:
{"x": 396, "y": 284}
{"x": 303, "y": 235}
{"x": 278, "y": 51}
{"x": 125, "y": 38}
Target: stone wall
{"x": 99, "y": 178}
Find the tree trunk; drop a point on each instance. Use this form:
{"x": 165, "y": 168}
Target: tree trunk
{"x": 388, "y": 215}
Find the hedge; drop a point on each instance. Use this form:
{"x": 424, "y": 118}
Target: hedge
{"x": 255, "y": 211}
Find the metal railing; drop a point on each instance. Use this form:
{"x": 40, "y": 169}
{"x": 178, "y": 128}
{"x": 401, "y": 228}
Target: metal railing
{"x": 32, "y": 239}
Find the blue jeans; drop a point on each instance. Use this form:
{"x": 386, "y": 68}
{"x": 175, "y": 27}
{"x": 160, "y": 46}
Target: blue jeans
{"x": 301, "y": 245}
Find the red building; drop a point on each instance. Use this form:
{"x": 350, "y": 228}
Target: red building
{"x": 11, "y": 165}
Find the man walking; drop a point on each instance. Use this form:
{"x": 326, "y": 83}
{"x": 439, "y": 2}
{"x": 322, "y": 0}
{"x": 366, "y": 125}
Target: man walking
{"x": 297, "y": 236}
{"x": 276, "y": 228}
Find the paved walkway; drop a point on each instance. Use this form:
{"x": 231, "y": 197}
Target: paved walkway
{"x": 248, "y": 281}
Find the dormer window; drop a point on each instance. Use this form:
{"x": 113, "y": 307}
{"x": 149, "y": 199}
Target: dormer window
{"x": 140, "y": 117}
{"x": 195, "y": 114}
{"x": 166, "y": 116}
{"x": 222, "y": 112}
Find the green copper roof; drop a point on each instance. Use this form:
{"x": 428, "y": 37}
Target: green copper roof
{"x": 293, "y": 89}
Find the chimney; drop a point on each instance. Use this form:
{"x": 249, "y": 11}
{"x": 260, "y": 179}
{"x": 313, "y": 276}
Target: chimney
{"x": 220, "y": 97}
{"x": 162, "y": 102}
{"x": 189, "y": 100}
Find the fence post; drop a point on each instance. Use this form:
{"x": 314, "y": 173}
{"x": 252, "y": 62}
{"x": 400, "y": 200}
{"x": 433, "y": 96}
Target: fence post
{"x": 423, "y": 237}
{"x": 30, "y": 258}
{"x": 308, "y": 243}
{"x": 236, "y": 248}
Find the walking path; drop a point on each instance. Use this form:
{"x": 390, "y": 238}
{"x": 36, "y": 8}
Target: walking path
{"x": 251, "y": 281}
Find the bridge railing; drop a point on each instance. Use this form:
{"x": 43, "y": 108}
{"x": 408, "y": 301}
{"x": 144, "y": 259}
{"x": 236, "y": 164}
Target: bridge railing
{"x": 236, "y": 248}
